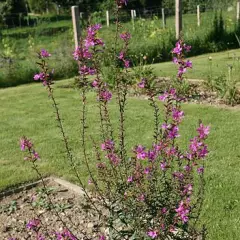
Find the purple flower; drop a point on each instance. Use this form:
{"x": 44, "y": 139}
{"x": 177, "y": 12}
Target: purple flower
{"x": 152, "y": 155}
{"x": 187, "y": 48}
{"x": 130, "y": 179}
{"x": 141, "y": 198}
{"x": 25, "y": 143}
{"x": 164, "y": 210}
{"x": 166, "y": 126}
{"x": 142, "y": 83}
{"x": 90, "y": 181}
{"x": 163, "y": 166}
{"x": 35, "y": 155}
{"x": 188, "y": 189}
{"x": 140, "y": 153}
{"x": 187, "y": 168}
{"x": 171, "y": 93}
{"x": 182, "y": 212}
{"x": 188, "y": 64}
{"x": 178, "y": 175}
{"x": 121, "y": 55}
{"x": 39, "y": 76}
{"x": 82, "y": 53}
{"x": 203, "y": 152}
{"x": 91, "y": 39}
{"x": 195, "y": 144}
{"x": 95, "y": 83}
{"x": 203, "y": 131}
{"x": 200, "y": 170}
{"x": 197, "y": 148}
{"x": 178, "y": 49}
{"x": 147, "y": 170}
{"x": 126, "y": 63}
{"x": 44, "y": 53}
{"x": 175, "y": 60}
{"x": 65, "y": 234}
{"x": 114, "y": 159}
{"x": 102, "y": 237}
{"x": 40, "y": 237}
{"x": 33, "y": 224}
{"x": 177, "y": 115}
{"x": 173, "y": 132}
{"x": 105, "y": 96}
{"x": 181, "y": 71}
{"x": 108, "y": 145}
{"x": 125, "y": 36}
{"x": 152, "y": 234}
{"x": 163, "y": 97}
{"x": 84, "y": 70}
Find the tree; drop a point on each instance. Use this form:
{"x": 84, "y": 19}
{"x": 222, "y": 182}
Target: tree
{"x": 10, "y": 9}
{"x": 38, "y": 6}
{"x": 5, "y": 9}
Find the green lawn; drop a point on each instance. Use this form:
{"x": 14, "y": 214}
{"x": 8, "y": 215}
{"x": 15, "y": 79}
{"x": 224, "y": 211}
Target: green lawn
{"x": 26, "y": 110}
{"x": 202, "y": 65}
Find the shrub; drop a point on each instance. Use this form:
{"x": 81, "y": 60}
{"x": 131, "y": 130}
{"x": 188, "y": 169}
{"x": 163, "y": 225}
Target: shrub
{"x": 150, "y": 192}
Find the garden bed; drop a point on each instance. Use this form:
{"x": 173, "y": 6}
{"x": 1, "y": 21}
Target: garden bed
{"x": 195, "y": 91}
{"x": 31, "y": 202}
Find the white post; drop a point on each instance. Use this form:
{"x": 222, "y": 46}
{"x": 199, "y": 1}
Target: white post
{"x": 76, "y": 25}
{"x": 107, "y": 18}
{"x": 132, "y": 16}
{"x": 178, "y": 18}
{"x": 134, "y": 13}
{"x": 198, "y": 16}
{"x": 58, "y": 9}
{"x": 81, "y": 15}
{"x": 238, "y": 10}
{"x": 163, "y": 18}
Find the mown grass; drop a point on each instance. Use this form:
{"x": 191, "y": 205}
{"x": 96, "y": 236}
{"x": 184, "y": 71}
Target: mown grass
{"x": 26, "y": 110}
{"x": 214, "y": 63}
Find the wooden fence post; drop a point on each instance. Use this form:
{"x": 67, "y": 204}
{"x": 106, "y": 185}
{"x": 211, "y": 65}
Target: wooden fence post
{"x": 132, "y": 16}
{"x": 238, "y": 10}
{"x": 198, "y": 16}
{"x": 178, "y": 17}
{"x": 76, "y": 25}
{"x": 163, "y": 18}
{"x": 107, "y": 18}
{"x": 134, "y": 13}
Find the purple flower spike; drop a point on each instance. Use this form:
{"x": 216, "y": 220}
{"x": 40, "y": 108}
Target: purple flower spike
{"x": 44, "y": 53}
{"x": 152, "y": 234}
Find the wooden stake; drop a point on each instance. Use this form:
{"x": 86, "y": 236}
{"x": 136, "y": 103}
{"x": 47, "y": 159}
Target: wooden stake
{"x": 163, "y": 18}
{"x": 238, "y": 10}
{"x": 134, "y": 13}
{"x": 132, "y": 16}
{"x": 198, "y": 16}
{"x": 76, "y": 25}
{"x": 178, "y": 18}
{"x": 107, "y": 18}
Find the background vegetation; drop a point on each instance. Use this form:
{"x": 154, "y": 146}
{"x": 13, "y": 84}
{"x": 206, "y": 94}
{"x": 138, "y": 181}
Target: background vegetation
{"x": 218, "y": 31}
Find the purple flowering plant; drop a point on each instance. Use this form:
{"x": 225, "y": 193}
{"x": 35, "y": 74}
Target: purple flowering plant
{"x": 154, "y": 191}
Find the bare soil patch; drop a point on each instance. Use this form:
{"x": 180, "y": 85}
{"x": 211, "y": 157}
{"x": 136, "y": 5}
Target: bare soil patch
{"x": 18, "y": 208}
